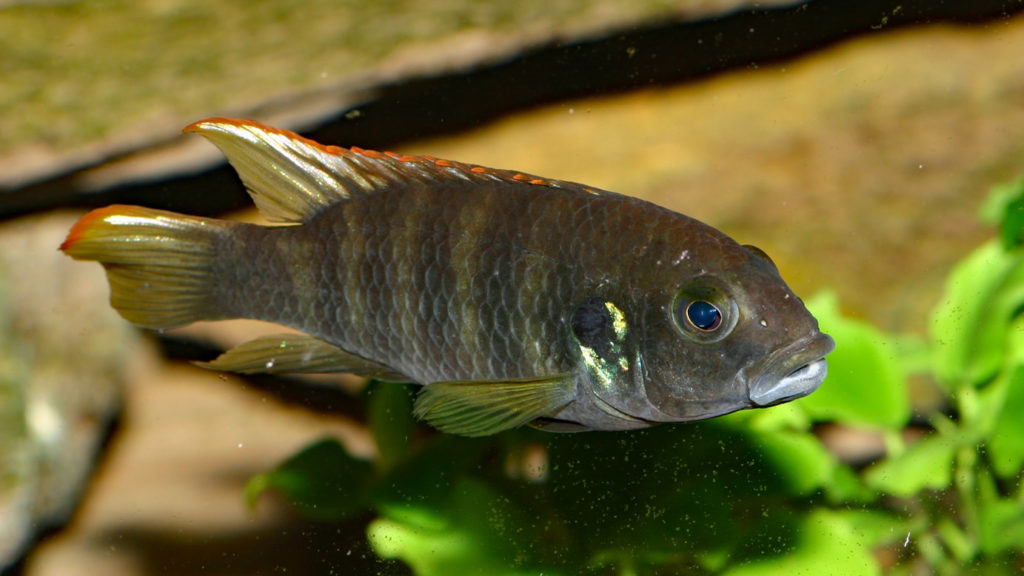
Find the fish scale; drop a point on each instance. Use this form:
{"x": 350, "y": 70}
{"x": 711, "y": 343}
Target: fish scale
{"x": 393, "y": 284}
{"x": 513, "y": 299}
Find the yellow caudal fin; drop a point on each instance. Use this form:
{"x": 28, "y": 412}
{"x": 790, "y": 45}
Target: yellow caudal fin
{"x": 160, "y": 264}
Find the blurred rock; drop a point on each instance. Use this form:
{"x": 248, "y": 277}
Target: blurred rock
{"x": 60, "y": 377}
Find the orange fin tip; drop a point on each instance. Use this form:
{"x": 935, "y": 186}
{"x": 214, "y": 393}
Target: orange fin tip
{"x": 301, "y": 191}
{"x": 86, "y": 224}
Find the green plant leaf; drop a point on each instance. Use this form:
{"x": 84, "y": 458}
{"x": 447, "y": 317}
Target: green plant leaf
{"x": 389, "y": 412}
{"x": 865, "y": 386}
{"x": 1005, "y": 207}
{"x": 322, "y": 480}
{"x": 800, "y": 459}
{"x": 425, "y": 476}
{"x": 827, "y": 543}
{"x": 926, "y": 464}
{"x": 477, "y": 531}
{"x": 788, "y": 416}
{"x": 846, "y": 486}
{"x": 1000, "y": 520}
{"x": 1006, "y": 445}
{"x": 1012, "y": 230}
{"x": 970, "y": 328}
{"x": 955, "y": 538}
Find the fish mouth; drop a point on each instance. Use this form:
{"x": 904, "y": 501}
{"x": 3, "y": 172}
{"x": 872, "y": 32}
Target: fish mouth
{"x": 792, "y": 372}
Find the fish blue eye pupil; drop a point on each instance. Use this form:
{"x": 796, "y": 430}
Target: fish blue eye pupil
{"x": 703, "y": 315}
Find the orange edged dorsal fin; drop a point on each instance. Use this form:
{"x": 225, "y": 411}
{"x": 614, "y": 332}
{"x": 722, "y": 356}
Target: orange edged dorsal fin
{"x": 291, "y": 178}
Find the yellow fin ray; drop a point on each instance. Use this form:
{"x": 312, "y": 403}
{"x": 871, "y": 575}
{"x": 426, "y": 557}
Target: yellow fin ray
{"x": 297, "y": 353}
{"x": 489, "y": 407}
{"x": 160, "y": 264}
{"x": 291, "y": 178}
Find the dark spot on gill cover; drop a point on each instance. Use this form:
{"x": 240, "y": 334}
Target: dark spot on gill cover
{"x": 592, "y": 325}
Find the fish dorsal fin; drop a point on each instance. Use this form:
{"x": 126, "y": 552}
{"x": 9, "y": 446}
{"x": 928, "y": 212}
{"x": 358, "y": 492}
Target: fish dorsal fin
{"x": 488, "y": 407}
{"x": 291, "y": 178}
{"x": 297, "y": 353}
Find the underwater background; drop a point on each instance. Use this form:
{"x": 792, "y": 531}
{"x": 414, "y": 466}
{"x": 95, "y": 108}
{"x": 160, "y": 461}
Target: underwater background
{"x": 873, "y": 149}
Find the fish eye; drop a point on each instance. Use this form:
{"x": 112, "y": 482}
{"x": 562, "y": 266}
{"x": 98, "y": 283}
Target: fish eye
{"x": 703, "y": 311}
{"x": 703, "y": 315}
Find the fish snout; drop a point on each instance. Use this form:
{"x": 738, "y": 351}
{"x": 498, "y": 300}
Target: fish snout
{"x": 793, "y": 372}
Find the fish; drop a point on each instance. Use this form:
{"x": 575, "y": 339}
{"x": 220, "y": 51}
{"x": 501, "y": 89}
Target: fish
{"x": 513, "y": 299}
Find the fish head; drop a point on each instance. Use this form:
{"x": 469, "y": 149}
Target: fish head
{"x": 724, "y": 334}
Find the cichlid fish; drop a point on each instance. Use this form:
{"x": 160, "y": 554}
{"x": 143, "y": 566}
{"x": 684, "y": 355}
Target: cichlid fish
{"x": 513, "y": 299}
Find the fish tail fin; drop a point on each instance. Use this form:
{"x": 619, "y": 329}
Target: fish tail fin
{"x": 161, "y": 265}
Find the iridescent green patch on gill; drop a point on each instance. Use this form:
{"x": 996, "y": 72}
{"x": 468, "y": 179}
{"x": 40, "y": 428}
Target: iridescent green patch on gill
{"x": 601, "y": 328}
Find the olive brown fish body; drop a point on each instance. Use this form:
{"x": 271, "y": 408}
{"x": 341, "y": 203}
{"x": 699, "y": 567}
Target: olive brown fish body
{"x": 514, "y": 299}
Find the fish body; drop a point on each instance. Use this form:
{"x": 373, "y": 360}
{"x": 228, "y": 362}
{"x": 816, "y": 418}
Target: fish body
{"x": 512, "y": 298}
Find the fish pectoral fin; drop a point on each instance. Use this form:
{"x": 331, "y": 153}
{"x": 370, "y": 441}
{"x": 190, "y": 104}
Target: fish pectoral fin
{"x": 297, "y": 353}
{"x": 487, "y": 407}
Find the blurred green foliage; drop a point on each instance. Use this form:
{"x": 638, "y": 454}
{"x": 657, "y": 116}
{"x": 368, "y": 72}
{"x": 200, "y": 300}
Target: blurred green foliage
{"x": 754, "y": 493}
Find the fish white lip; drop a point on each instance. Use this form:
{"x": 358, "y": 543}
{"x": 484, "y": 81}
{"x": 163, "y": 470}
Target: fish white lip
{"x": 800, "y": 382}
{"x": 792, "y": 375}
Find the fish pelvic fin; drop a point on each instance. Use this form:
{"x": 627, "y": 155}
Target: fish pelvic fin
{"x": 159, "y": 264}
{"x": 298, "y": 353}
{"x": 488, "y": 407}
{"x": 291, "y": 178}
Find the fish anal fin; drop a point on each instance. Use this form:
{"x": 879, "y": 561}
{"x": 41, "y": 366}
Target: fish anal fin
{"x": 297, "y": 353}
{"x": 488, "y": 407}
{"x": 559, "y": 426}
